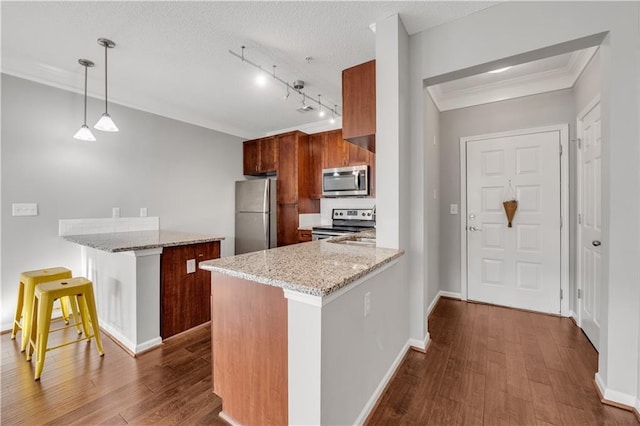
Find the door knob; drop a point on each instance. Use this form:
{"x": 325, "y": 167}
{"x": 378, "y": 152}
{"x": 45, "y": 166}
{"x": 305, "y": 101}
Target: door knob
{"x": 474, "y": 229}
{"x": 596, "y": 243}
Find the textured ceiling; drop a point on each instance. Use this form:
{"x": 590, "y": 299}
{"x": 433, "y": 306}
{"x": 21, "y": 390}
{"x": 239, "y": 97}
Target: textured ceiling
{"x": 172, "y": 58}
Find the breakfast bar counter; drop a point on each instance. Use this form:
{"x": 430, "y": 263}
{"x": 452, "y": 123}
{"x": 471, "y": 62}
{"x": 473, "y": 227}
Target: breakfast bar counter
{"x": 292, "y": 328}
{"x": 131, "y": 291}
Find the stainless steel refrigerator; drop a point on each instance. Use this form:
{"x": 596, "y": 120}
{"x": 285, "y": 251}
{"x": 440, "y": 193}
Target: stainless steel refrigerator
{"x": 255, "y": 215}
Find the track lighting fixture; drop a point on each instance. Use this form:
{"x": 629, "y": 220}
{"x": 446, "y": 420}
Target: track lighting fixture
{"x": 84, "y": 133}
{"x": 333, "y": 114}
{"x": 296, "y": 87}
{"x": 105, "y": 123}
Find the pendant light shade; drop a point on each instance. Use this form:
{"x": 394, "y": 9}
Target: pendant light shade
{"x": 105, "y": 123}
{"x": 84, "y": 133}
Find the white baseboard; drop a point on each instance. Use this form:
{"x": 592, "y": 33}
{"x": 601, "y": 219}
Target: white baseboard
{"x": 371, "y": 403}
{"x": 441, "y": 293}
{"x": 420, "y": 344}
{"x": 127, "y": 344}
{"x": 615, "y": 396}
{"x": 450, "y": 294}
{"x": 574, "y": 315}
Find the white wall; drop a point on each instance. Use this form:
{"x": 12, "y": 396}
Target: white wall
{"x": 510, "y": 29}
{"x": 520, "y": 113}
{"x": 358, "y": 351}
{"x": 182, "y": 173}
{"x": 433, "y": 198}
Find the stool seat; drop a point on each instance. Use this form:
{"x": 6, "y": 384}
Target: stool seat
{"x": 28, "y": 282}
{"x": 80, "y": 290}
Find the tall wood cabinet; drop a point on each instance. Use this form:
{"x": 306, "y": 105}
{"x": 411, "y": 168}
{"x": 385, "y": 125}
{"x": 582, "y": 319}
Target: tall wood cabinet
{"x": 297, "y": 189}
{"x": 185, "y": 296}
{"x": 359, "y": 105}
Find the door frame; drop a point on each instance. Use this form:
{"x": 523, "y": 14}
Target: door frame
{"x": 579, "y": 133}
{"x": 563, "y": 130}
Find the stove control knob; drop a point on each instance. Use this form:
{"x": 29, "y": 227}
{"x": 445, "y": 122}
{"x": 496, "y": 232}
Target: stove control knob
{"x": 340, "y": 213}
{"x": 362, "y": 213}
{"x": 369, "y": 214}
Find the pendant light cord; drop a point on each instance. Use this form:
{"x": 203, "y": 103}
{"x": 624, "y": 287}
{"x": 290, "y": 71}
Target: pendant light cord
{"x": 105, "y": 79}
{"x": 85, "y": 95}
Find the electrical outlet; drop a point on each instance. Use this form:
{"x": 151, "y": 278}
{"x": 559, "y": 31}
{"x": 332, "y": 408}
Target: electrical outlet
{"x": 143, "y": 212}
{"x": 367, "y": 303}
{"x": 115, "y": 212}
{"x": 191, "y": 266}
{"x": 453, "y": 209}
{"x": 24, "y": 209}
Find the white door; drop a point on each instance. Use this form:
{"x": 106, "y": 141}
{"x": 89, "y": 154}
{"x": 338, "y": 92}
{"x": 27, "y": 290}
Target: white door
{"x": 518, "y": 266}
{"x": 589, "y": 222}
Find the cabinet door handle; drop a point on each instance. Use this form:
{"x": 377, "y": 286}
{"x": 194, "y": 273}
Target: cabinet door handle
{"x": 596, "y": 243}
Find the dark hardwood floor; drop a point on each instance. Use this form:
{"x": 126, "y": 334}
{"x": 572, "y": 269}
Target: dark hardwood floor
{"x": 491, "y": 365}
{"x": 484, "y": 365}
{"x": 169, "y": 385}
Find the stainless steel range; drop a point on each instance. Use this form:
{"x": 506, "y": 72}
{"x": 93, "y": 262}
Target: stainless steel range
{"x": 346, "y": 221}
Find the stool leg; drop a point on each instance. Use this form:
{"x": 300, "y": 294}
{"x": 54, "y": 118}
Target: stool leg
{"x": 64, "y": 308}
{"x": 32, "y": 337}
{"x": 27, "y": 314}
{"x": 45, "y": 310}
{"x": 84, "y": 315}
{"x": 18, "y": 315}
{"x": 74, "y": 311}
{"x": 93, "y": 315}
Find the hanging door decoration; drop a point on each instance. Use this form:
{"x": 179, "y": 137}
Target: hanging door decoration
{"x": 510, "y": 204}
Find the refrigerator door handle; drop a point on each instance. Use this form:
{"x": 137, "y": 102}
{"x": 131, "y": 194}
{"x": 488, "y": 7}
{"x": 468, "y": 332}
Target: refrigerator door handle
{"x": 265, "y": 226}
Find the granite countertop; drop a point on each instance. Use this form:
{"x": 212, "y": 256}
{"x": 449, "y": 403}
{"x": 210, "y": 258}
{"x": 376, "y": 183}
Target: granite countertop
{"x": 318, "y": 268}
{"x": 115, "y": 242}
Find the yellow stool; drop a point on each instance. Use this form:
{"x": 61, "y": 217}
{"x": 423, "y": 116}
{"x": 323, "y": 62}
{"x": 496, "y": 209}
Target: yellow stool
{"x": 28, "y": 282}
{"x": 80, "y": 290}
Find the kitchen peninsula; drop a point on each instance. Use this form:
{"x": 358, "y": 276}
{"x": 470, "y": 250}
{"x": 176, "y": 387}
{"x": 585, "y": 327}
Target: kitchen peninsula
{"x": 301, "y": 333}
{"x": 131, "y": 275}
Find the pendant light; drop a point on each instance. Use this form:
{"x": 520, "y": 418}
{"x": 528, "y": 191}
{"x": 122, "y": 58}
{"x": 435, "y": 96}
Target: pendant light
{"x": 105, "y": 123}
{"x": 84, "y": 133}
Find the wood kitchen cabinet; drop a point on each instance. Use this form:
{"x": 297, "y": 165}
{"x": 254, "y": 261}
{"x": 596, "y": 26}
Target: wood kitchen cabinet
{"x": 185, "y": 297}
{"x": 304, "y": 235}
{"x": 287, "y": 224}
{"x": 259, "y": 156}
{"x": 298, "y": 162}
{"x": 335, "y": 150}
{"x": 359, "y": 105}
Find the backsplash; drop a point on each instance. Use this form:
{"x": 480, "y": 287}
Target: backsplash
{"x": 328, "y": 204}
{"x": 107, "y": 225}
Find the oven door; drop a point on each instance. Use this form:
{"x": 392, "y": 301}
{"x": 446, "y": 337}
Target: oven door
{"x": 324, "y": 234}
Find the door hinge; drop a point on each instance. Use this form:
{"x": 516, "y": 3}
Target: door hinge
{"x": 561, "y": 295}
{"x": 560, "y": 146}
{"x": 579, "y": 294}
{"x": 579, "y": 219}
{"x": 561, "y": 222}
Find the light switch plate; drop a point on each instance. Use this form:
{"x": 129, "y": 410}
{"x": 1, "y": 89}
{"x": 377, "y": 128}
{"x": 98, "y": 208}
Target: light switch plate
{"x": 24, "y": 209}
{"x": 143, "y": 212}
{"x": 191, "y": 266}
{"x": 453, "y": 209}
{"x": 115, "y": 212}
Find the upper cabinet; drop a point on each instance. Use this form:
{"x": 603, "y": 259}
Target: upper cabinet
{"x": 260, "y": 156}
{"x": 359, "y": 105}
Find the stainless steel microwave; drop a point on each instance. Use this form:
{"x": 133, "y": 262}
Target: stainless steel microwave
{"x": 350, "y": 181}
